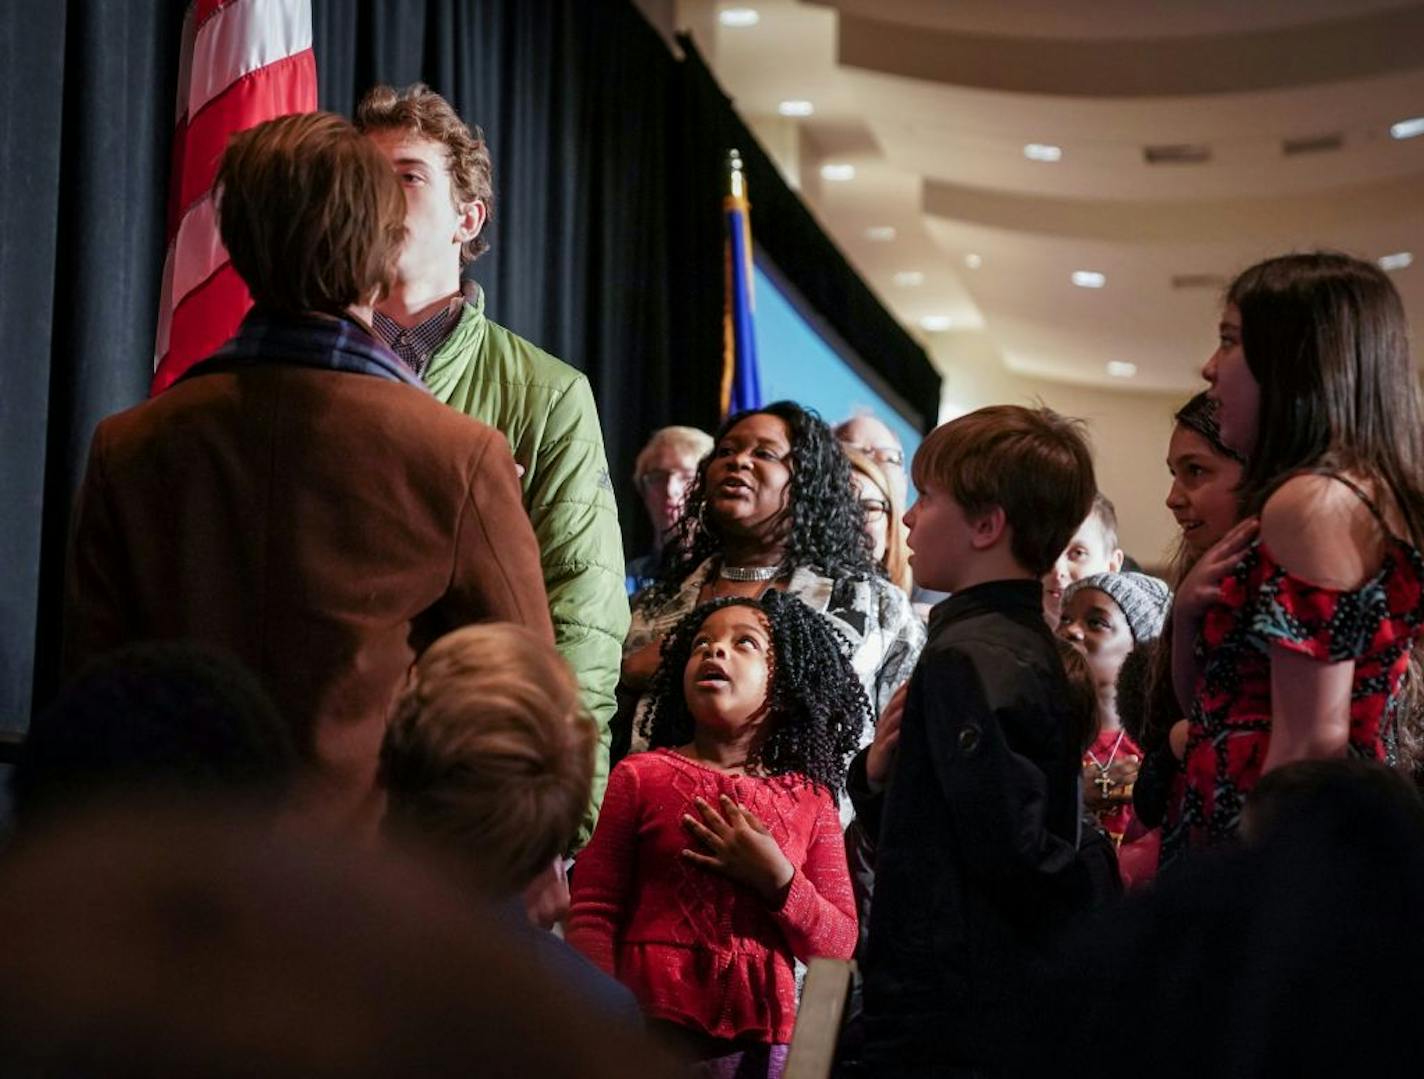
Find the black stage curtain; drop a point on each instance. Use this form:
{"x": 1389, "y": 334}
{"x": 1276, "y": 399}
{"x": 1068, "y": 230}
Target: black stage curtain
{"x": 606, "y": 239}
{"x": 88, "y": 119}
{"x": 572, "y": 97}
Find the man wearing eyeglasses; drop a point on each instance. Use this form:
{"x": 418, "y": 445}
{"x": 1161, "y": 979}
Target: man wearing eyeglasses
{"x": 663, "y": 473}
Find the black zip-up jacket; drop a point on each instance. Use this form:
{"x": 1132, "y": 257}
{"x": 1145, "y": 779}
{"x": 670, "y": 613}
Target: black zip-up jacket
{"x": 977, "y": 869}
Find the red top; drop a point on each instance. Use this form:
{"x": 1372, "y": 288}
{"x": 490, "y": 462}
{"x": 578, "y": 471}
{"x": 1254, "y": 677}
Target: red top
{"x": 697, "y": 948}
{"x": 1108, "y": 748}
{"x": 1262, "y": 606}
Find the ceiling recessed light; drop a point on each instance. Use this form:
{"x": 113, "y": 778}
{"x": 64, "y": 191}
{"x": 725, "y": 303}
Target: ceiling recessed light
{"x": 1089, "y": 279}
{"x": 1407, "y": 129}
{"x": 881, "y": 234}
{"x": 837, "y": 172}
{"x": 1397, "y": 261}
{"x": 936, "y": 323}
{"x": 973, "y": 261}
{"x": 1121, "y": 369}
{"x": 738, "y": 16}
{"x": 909, "y": 279}
{"x": 1043, "y": 151}
{"x": 796, "y": 107}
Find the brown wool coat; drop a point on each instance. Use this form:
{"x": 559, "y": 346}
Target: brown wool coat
{"x": 324, "y": 526}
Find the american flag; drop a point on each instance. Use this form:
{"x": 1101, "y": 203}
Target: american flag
{"x": 243, "y": 62}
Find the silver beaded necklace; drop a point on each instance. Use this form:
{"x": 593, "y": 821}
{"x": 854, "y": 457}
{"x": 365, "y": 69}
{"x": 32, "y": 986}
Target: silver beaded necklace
{"x": 749, "y": 573}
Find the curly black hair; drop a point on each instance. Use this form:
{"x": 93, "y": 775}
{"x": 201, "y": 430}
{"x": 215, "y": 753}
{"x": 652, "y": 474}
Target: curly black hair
{"x": 819, "y": 704}
{"x": 825, "y": 524}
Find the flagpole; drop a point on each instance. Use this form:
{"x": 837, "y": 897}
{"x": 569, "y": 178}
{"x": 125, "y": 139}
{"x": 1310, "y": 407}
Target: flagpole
{"x": 741, "y": 387}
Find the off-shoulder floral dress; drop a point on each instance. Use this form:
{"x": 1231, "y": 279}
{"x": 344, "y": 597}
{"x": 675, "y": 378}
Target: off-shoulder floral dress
{"x": 1263, "y": 605}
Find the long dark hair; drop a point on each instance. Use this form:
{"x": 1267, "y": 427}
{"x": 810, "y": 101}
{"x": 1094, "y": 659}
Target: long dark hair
{"x": 1326, "y": 339}
{"x": 818, "y": 704}
{"x": 825, "y": 525}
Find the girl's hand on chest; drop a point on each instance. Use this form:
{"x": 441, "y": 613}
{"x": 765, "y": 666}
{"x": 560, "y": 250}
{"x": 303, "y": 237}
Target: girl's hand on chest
{"x": 734, "y": 842}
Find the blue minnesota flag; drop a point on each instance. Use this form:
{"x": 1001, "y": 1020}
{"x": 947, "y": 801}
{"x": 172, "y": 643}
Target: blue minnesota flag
{"x": 741, "y": 381}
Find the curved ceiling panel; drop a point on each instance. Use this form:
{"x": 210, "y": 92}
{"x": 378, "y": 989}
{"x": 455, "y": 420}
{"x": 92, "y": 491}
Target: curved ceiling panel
{"x": 1053, "y": 19}
{"x": 1397, "y": 202}
{"x": 1323, "y": 51}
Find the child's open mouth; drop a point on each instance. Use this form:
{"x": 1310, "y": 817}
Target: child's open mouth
{"x": 711, "y": 675}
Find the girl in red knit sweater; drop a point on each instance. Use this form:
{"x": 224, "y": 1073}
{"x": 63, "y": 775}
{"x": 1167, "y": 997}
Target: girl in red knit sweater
{"x": 718, "y": 856}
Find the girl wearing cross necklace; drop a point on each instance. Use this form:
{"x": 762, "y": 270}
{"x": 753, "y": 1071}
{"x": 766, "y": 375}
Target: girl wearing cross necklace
{"x": 1105, "y": 616}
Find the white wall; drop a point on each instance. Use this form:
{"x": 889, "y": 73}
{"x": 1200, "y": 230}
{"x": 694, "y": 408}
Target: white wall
{"x": 1129, "y": 431}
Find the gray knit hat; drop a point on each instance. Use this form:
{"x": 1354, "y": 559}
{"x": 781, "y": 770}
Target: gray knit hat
{"x": 1143, "y": 599}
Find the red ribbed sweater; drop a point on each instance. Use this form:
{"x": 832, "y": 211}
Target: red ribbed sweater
{"x": 695, "y": 947}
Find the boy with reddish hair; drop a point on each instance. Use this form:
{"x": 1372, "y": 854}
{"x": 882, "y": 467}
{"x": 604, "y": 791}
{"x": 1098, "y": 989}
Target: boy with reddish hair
{"x": 977, "y": 865}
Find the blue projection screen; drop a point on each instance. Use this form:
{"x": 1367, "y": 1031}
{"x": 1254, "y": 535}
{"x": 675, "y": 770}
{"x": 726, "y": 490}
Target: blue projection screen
{"x": 797, "y": 363}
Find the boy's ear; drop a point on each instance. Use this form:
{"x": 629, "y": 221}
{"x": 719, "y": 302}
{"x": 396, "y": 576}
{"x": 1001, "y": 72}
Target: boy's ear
{"x": 987, "y": 528}
{"x": 1115, "y": 560}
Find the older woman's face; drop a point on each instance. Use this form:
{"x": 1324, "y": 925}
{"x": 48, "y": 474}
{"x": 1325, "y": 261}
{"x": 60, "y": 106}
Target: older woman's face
{"x": 664, "y": 484}
{"x": 749, "y": 476}
{"x": 877, "y": 512}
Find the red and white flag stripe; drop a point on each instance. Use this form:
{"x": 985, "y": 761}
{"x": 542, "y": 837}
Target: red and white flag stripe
{"x": 243, "y": 62}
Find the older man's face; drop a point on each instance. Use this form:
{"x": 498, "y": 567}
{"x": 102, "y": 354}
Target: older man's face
{"x": 663, "y": 485}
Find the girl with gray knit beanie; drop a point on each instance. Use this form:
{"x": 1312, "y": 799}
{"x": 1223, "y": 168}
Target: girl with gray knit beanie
{"x": 1106, "y": 616}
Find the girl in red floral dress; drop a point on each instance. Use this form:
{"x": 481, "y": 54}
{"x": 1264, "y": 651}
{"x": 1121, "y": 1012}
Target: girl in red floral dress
{"x": 718, "y": 858}
{"x": 1292, "y": 634}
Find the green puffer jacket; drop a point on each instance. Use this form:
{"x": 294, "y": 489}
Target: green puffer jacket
{"x": 546, "y": 410}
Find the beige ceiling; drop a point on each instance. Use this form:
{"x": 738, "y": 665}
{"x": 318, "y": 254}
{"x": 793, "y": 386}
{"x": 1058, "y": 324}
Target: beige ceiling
{"x": 932, "y": 102}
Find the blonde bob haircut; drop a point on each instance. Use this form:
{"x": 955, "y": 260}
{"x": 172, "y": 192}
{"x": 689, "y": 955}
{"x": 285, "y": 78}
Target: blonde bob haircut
{"x": 1032, "y": 462}
{"x": 896, "y": 562}
{"x": 489, "y": 755}
{"x": 311, "y": 214}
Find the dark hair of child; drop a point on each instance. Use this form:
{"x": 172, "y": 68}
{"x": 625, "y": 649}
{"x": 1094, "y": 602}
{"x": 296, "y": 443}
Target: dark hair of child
{"x": 156, "y": 716}
{"x": 1288, "y": 791}
{"x": 818, "y": 703}
{"x": 1082, "y": 696}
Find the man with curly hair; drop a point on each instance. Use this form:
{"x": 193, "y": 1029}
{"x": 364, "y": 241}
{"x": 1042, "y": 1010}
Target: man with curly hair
{"x": 544, "y": 407}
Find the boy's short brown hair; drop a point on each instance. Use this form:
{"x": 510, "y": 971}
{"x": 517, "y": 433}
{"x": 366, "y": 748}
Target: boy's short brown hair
{"x": 420, "y": 111}
{"x": 489, "y": 754}
{"x": 1031, "y": 461}
{"x": 311, "y": 214}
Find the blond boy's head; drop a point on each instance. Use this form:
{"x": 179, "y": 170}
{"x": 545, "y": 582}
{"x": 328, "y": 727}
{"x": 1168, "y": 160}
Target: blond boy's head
{"x": 489, "y": 756}
{"x": 1093, "y": 548}
{"x": 1029, "y": 465}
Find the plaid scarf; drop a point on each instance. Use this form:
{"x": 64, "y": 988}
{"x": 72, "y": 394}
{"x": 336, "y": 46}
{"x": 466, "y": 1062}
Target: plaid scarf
{"x": 305, "y": 341}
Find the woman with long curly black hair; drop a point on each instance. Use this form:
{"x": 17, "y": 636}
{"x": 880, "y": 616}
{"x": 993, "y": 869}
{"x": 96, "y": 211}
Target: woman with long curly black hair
{"x": 773, "y": 508}
{"x": 718, "y": 858}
